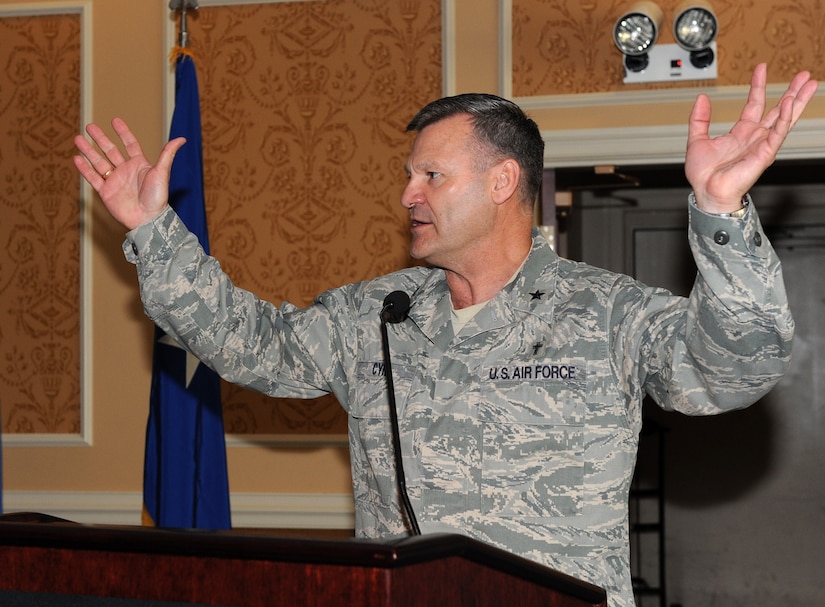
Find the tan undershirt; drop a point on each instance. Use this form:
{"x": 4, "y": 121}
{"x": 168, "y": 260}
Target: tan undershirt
{"x": 461, "y": 317}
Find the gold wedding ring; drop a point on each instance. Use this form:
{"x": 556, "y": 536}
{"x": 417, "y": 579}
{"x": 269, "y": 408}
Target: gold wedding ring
{"x": 107, "y": 173}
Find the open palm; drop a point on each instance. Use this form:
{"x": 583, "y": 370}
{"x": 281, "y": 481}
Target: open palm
{"x": 722, "y": 169}
{"x": 133, "y": 190}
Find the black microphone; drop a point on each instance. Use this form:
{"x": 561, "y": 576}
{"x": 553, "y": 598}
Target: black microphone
{"x": 396, "y": 306}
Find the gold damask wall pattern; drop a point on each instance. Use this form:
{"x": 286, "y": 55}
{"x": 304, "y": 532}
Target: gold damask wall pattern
{"x": 304, "y": 107}
{"x": 563, "y": 47}
{"x": 40, "y": 340}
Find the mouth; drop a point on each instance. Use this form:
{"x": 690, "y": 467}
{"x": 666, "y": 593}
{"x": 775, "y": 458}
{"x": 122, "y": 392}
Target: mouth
{"x": 416, "y": 222}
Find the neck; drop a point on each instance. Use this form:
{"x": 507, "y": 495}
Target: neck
{"x": 488, "y": 273}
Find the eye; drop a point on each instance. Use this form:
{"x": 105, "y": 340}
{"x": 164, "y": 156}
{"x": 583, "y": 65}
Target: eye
{"x": 433, "y": 174}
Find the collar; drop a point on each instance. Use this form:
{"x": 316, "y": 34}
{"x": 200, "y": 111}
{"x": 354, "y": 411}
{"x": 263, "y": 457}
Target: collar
{"x": 532, "y": 292}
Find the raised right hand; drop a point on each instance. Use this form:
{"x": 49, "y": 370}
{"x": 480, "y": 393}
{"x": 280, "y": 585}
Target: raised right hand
{"x": 133, "y": 190}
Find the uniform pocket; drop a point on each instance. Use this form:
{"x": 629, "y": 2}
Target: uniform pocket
{"x": 373, "y": 460}
{"x": 532, "y": 470}
{"x": 533, "y": 447}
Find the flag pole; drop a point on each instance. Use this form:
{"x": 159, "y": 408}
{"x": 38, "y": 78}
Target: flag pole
{"x": 183, "y": 6}
{"x": 185, "y": 481}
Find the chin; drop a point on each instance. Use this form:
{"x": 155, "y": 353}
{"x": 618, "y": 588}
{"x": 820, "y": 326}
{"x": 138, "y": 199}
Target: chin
{"x": 416, "y": 252}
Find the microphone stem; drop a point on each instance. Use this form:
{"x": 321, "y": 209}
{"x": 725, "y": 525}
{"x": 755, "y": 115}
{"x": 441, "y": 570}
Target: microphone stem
{"x": 396, "y": 435}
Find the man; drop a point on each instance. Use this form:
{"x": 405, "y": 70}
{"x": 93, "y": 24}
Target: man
{"x": 519, "y": 375}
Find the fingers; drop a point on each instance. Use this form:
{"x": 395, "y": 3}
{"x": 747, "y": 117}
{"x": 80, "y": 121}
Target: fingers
{"x": 800, "y": 90}
{"x": 99, "y": 159}
{"x": 782, "y": 118}
{"x": 105, "y": 155}
{"x": 111, "y": 153}
{"x": 128, "y": 139}
{"x": 802, "y": 95}
{"x": 96, "y": 160}
{"x": 782, "y": 125}
{"x": 89, "y": 173}
{"x": 755, "y": 105}
{"x": 788, "y": 111}
{"x": 699, "y": 120}
{"x": 167, "y": 154}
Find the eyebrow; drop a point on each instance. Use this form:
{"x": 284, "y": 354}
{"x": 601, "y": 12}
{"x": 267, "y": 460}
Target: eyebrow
{"x": 423, "y": 166}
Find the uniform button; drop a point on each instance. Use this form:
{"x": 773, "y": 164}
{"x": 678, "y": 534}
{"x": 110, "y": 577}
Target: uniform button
{"x": 757, "y": 239}
{"x": 721, "y": 237}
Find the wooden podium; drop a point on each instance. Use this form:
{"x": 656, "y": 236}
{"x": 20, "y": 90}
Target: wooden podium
{"x": 39, "y": 554}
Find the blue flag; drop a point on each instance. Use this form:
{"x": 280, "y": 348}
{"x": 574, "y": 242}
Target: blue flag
{"x": 185, "y": 480}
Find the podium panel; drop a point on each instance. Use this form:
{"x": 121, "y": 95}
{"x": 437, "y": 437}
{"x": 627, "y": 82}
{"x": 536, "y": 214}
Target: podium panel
{"x": 237, "y": 570}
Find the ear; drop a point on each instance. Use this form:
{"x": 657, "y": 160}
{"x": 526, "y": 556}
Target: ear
{"x": 505, "y": 178}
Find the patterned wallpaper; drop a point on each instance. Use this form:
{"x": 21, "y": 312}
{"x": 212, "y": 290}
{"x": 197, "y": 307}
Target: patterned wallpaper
{"x": 304, "y": 110}
{"x": 40, "y": 230}
{"x": 304, "y": 107}
{"x": 566, "y": 46}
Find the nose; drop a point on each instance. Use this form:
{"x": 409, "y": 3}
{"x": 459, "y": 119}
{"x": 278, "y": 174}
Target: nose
{"x": 411, "y": 195}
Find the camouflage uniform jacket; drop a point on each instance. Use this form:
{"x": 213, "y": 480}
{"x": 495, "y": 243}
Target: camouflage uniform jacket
{"x": 522, "y": 430}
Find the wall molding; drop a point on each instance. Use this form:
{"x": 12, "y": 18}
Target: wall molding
{"x": 448, "y": 48}
{"x": 658, "y": 144}
{"x": 49, "y": 440}
{"x": 249, "y": 510}
{"x": 310, "y": 441}
{"x": 83, "y": 8}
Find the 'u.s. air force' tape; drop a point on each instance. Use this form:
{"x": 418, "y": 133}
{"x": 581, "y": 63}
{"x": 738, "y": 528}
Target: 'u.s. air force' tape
{"x": 566, "y": 372}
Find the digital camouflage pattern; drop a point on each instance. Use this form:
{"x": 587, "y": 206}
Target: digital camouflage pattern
{"x": 522, "y": 430}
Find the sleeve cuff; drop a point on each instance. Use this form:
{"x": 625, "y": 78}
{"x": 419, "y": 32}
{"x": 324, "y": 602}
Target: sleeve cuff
{"x": 741, "y": 232}
{"x": 156, "y": 239}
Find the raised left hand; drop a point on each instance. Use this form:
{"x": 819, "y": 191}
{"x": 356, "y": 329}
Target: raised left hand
{"x": 722, "y": 169}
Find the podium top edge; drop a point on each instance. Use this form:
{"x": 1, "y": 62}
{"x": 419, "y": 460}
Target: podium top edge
{"x": 44, "y": 531}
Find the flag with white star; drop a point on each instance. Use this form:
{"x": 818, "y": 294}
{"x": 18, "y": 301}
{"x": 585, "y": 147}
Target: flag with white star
{"x": 185, "y": 480}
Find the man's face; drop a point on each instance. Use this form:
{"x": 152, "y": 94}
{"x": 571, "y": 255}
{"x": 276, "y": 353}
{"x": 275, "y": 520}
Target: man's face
{"x": 448, "y": 198}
